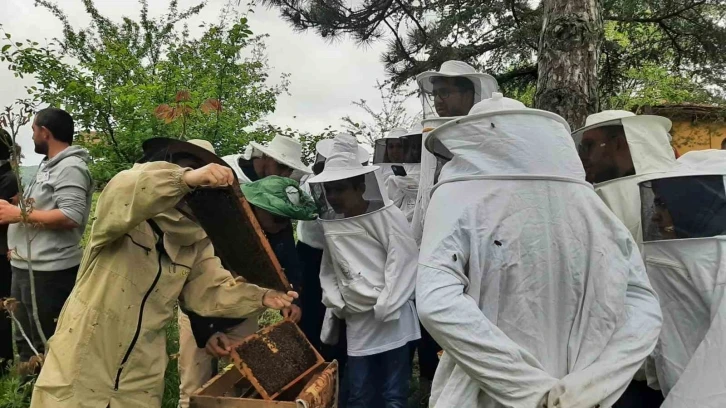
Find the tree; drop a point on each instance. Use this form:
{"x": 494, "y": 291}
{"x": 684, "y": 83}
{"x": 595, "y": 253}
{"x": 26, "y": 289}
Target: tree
{"x": 393, "y": 114}
{"x": 687, "y": 37}
{"x": 111, "y": 76}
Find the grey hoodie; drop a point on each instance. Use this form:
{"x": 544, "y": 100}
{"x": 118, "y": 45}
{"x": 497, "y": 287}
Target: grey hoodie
{"x": 62, "y": 182}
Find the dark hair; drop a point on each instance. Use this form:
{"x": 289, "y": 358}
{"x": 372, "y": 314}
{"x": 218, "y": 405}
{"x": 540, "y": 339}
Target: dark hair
{"x": 5, "y": 143}
{"x": 358, "y": 181}
{"x": 723, "y": 143}
{"x": 58, "y": 122}
{"x": 462, "y": 83}
{"x": 613, "y": 131}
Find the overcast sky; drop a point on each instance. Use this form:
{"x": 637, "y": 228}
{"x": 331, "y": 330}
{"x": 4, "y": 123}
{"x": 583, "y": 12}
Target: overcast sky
{"x": 326, "y": 77}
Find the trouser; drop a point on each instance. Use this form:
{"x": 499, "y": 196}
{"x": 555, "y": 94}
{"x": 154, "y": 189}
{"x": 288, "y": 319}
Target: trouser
{"x": 313, "y": 313}
{"x": 311, "y": 297}
{"x": 639, "y": 395}
{"x": 196, "y": 366}
{"x": 380, "y": 376}
{"x": 428, "y": 355}
{"x": 52, "y": 288}
{"x": 6, "y": 324}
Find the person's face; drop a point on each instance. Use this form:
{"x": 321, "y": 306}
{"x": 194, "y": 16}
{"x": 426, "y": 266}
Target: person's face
{"x": 273, "y": 168}
{"x": 394, "y": 150}
{"x": 662, "y": 218}
{"x": 41, "y": 135}
{"x": 343, "y": 197}
{"x": 450, "y": 100}
{"x": 269, "y": 222}
{"x": 597, "y": 152}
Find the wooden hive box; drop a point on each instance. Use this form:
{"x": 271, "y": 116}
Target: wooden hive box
{"x": 230, "y": 389}
{"x": 229, "y": 221}
{"x": 276, "y": 358}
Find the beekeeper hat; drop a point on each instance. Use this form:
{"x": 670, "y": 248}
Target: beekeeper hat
{"x": 325, "y": 147}
{"x": 343, "y": 161}
{"x": 284, "y": 150}
{"x": 615, "y": 117}
{"x": 484, "y": 84}
{"x": 497, "y": 105}
{"x": 201, "y": 149}
{"x": 281, "y": 196}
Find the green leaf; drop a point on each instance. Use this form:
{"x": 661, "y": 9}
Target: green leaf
{"x": 8, "y": 36}
{"x": 19, "y": 44}
{"x": 6, "y": 47}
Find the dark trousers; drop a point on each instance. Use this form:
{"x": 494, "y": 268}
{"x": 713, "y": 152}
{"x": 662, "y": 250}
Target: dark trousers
{"x": 380, "y": 376}
{"x": 313, "y": 313}
{"x": 52, "y": 288}
{"x": 428, "y": 355}
{"x": 639, "y": 395}
{"x": 6, "y": 324}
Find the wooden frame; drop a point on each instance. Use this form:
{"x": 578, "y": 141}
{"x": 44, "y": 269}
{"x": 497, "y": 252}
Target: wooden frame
{"x": 213, "y": 394}
{"x": 239, "y": 241}
{"x": 248, "y": 372}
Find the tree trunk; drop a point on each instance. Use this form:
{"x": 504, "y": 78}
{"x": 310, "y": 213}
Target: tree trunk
{"x": 569, "y": 47}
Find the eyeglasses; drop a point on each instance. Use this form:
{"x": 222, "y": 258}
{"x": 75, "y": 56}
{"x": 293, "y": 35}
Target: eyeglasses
{"x": 443, "y": 93}
{"x": 659, "y": 203}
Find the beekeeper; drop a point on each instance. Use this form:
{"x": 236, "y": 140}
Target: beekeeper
{"x": 275, "y": 201}
{"x": 367, "y": 276}
{"x": 536, "y": 292}
{"x": 684, "y": 233}
{"x": 281, "y": 157}
{"x": 399, "y": 157}
{"x": 617, "y": 149}
{"x": 310, "y": 244}
{"x": 454, "y": 89}
{"x": 440, "y": 104}
{"x": 143, "y": 254}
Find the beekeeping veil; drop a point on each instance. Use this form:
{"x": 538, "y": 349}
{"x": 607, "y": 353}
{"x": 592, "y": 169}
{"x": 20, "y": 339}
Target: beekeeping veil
{"x": 400, "y": 147}
{"x": 684, "y": 247}
{"x": 649, "y": 142}
{"x": 484, "y": 84}
{"x": 345, "y": 181}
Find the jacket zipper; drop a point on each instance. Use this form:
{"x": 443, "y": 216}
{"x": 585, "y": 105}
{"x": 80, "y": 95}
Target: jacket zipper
{"x": 160, "y": 247}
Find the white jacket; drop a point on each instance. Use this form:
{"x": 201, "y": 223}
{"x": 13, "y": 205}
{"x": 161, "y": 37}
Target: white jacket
{"x": 689, "y": 276}
{"x": 536, "y": 292}
{"x": 651, "y": 152}
{"x": 369, "y": 263}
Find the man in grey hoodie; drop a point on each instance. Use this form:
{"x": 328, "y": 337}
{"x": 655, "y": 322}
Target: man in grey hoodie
{"x": 61, "y": 201}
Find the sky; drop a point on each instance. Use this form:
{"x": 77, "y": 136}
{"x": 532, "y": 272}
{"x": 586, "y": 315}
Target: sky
{"x": 325, "y": 76}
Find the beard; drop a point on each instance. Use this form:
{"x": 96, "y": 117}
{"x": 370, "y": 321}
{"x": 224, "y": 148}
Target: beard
{"x": 41, "y": 148}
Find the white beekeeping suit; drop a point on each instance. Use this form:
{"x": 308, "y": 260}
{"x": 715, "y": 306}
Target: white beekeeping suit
{"x": 369, "y": 262}
{"x": 402, "y": 188}
{"x": 684, "y": 229}
{"x": 534, "y": 289}
{"x": 650, "y": 150}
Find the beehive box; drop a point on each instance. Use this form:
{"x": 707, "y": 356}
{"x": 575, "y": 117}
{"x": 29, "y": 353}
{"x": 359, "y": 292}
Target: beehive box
{"x": 229, "y": 221}
{"x": 230, "y": 389}
{"x": 276, "y": 358}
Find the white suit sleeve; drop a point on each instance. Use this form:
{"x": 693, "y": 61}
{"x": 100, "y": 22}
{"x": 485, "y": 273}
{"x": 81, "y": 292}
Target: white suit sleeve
{"x": 605, "y": 380}
{"x": 332, "y": 297}
{"x": 504, "y": 370}
{"x": 399, "y": 277}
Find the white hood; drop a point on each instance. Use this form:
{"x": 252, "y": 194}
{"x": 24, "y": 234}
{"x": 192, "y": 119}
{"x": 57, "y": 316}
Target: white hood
{"x": 689, "y": 276}
{"x": 651, "y": 152}
{"x": 535, "y": 291}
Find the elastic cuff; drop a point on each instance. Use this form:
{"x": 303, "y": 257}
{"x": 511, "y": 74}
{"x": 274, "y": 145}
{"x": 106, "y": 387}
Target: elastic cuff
{"x": 179, "y": 179}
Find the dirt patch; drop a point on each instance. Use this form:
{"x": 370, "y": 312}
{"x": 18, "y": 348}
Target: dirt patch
{"x": 278, "y": 357}
{"x": 236, "y": 241}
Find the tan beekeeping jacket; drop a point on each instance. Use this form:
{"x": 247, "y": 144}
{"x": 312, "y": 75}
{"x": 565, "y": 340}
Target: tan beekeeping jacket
{"x": 109, "y": 348}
